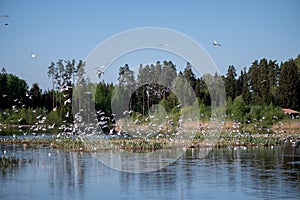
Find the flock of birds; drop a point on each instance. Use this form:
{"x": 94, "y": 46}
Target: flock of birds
{"x": 106, "y": 123}
{"x": 107, "y": 126}
{"x": 39, "y": 119}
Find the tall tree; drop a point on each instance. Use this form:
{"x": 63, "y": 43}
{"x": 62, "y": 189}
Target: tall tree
{"x": 288, "y": 91}
{"x": 126, "y": 83}
{"x": 51, "y": 71}
{"x": 189, "y": 75}
{"x": 244, "y": 85}
{"x": 3, "y": 89}
{"x": 36, "y": 96}
{"x": 231, "y": 83}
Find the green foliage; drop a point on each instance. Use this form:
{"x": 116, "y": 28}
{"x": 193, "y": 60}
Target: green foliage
{"x": 265, "y": 114}
{"x": 54, "y": 118}
{"x": 289, "y": 84}
{"x": 231, "y": 83}
{"x": 237, "y": 109}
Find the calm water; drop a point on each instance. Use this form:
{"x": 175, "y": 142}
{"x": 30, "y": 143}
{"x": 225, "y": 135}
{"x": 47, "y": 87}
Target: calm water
{"x": 256, "y": 173}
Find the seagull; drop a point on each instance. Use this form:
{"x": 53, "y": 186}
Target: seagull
{"x": 51, "y": 126}
{"x": 99, "y": 73}
{"x": 216, "y": 43}
{"x": 67, "y": 101}
{"x": 33, "y": 55}
{"x": 163, "y": 45}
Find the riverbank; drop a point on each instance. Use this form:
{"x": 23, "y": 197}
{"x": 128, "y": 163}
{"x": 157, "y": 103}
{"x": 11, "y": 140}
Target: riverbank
{"x": 146, "y": 145}
{"x": 229, "y": 134}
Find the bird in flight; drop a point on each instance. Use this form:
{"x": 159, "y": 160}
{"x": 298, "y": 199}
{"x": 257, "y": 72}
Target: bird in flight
{"x": 163, "y": 45}
{"x": 216, "y": 43}
{"x": 5, "y": 16}
{"x": 33, "y": 55}
{"x": 99, "y": 73}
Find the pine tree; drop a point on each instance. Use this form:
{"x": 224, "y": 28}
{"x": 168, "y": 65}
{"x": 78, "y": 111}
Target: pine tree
{"x": 231, "y": 83}
{"x": 288, "y": 91}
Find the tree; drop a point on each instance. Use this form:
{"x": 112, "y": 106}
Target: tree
{"x": 16, "y": 90}
{"x": 126, "y": 84}
{"x": 189, "y": 75}
{"x": 288, "y": 91}
{"x": 253, "y": 75}
{"x": 202, "y": 92}
{"x": 231, "y": 83}
{"x": 35, "y": 94}
{"x": 168, "y": 73}
{"x": 243, "y": 85}
{"x": 3, "y": 89}
{"x": 51, "y": 71}
{"x": 239, "y": 109}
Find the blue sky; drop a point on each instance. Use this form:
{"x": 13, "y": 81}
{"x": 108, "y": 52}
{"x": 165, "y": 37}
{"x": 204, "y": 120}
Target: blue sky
{"x": 248, "y": 30}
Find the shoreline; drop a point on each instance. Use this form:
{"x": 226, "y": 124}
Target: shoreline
{"x": 230, "y": 134}
{"x": 145, "y": 145}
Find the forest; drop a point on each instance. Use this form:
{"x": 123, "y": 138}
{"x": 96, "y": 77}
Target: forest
{"x": 251, "y": 94}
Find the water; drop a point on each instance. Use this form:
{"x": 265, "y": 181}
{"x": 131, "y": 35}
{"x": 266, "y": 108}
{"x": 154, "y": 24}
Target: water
{"x": 252, "y": 173}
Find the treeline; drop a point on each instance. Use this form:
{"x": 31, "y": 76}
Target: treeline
{"x": 20, "y": 104}
{"x": 266, "y": 82}
{"x": 15, "y": 93}
{"x": 257, "y": 92}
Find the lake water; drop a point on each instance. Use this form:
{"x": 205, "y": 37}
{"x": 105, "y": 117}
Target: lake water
{"x": 252, "y": 173}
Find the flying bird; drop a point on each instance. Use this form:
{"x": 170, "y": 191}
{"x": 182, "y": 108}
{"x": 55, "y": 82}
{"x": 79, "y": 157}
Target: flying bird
{"x": 163, "y": 45}
{"x": 4, "y": 16}
{"x": 216, "y": 43}
{"x": 33, "y": 55}
{"x": 99, "y": 73}
{"x": 67, "y": 101}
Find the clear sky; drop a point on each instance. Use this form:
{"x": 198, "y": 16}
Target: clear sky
{"x": 247, "y": 30}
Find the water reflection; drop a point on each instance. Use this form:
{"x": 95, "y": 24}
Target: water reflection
{"x": 223, "y": 173}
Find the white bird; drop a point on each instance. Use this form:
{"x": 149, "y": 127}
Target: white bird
{"x": 216, "y": 43}
{"x": 99, "y": 73}
{"x": 67, "y": 101}
{"x": 51, "y": 126}
{"x": 33, "y": 55}
{"x": 163, "y": 45}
